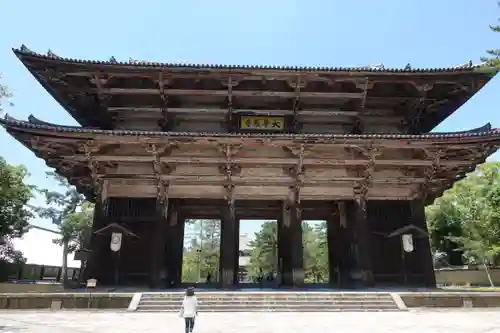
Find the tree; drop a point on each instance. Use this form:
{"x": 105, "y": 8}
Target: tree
{"x": 4, "y": 95}
{"x": 14, "y": 211}
{"x": 60, "y": 210}
{"x": 493, "y": 59}
{"x": 315, "y": 252}
{"x": 76, "y": 229}
{"x": 202, "y": 254}
{"x": 472, "y": 209}
{"x": 263, "y": 250}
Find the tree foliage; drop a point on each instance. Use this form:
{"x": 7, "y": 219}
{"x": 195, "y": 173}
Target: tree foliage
{"x": 14, "y": 211}
{"x": 264, "y": 255}
{"x": 202, "y": 253}
{"x": 263, "y": 250}
{"x": 63, "y": 209}
{"x": 493, "y": 59}
{"x": 5, "y": 95}
{"x": 466, "y": 219}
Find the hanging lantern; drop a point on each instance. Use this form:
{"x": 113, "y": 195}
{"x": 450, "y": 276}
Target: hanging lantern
{"x": 116, "y": 241}
{"x": 407, "y": 242}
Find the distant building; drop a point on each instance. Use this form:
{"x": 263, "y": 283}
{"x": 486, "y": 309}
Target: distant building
{"x": 244, "y": 258}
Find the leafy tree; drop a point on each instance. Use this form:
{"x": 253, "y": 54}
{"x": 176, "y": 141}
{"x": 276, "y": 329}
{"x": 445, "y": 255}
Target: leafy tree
{"x": 76, "y": 229}
{"x": 60, "y": 210}
{"x": 444, "y": 221}
{"x": 202, "y": 254}
{"x": 472, "y": 206}
{"x": 4, "y": 95}
{"x": 14, "y": 211}
{"x": 263, "y": 250}
{"x": 315, "y": 252}
{"x": 263, "y": 254}
{"x": 493, "y": 58}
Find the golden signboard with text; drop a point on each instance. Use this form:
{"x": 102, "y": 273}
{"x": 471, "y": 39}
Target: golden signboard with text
{"x": 262, "y": 123}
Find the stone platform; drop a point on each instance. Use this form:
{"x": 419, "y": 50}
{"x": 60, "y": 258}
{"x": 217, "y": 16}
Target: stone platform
{"x": 443, "y": 321}
{"x": 231, "y": 301}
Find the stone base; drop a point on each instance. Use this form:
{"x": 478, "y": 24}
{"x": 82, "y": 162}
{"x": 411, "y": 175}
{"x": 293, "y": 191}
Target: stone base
{"x": 100, "y": 300}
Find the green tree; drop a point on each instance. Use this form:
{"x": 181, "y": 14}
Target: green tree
{"x": 5, "y": 95}
{"x": 60, "y": 210}
{"x": 493, "y": 58}
{"x": 315, "y": 252}
{"x": 202, "y": 254}
{"x": 473, "y": 207}
{"x": 76, "y": 229}
{"x": 263, "y": 250}
{"x": 444, "y": 220}
{"x": 14, "y": 211}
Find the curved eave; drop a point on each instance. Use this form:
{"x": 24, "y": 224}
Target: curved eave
{"x": 24, "y": 52}
{"x": 470, "y": 140}
{"x": 47, "y": 129}
{"x": 35, "y": 60}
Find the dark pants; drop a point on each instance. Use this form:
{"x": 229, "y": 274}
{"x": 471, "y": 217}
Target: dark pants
{"x": 189, "y": 321}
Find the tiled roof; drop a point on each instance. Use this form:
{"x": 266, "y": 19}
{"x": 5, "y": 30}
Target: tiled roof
{"x": 24, "y": 51}
{"x": 484, "y": 131}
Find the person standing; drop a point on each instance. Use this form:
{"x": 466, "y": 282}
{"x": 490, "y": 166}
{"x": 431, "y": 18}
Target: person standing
{"x": 189, "y": 309}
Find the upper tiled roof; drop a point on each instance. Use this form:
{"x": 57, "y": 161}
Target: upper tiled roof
{"x": 12, "y": 123}
{"x": 24, "y": 51}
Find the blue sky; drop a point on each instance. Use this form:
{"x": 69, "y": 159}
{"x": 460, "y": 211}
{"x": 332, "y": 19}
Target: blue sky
{"x": 423, "y": 33}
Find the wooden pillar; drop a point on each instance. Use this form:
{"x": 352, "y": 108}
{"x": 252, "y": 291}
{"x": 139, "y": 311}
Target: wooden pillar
{"x": 158, "y": 239}
{"x": 422, "y": 244}
{"x": 228, "y": 265}
{"x": 333, "y": 242}
{"x": 93, "y": 264}
{"x": 290, "y": 241}
{"x": 363, "y": 237}
{"x": 174, "y": 246}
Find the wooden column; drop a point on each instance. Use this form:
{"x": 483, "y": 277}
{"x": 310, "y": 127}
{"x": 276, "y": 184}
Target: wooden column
{"x": 363, "y": 237}
{"x": 333, "y": 243}
{"x": 228, "y": 266}
{"x": 92, "y": 268}
{"x": 158, "y": 240}
{"x": 422, "y": 244}
{"x": 290, "y": 241}
{"x": 174, "y": 246}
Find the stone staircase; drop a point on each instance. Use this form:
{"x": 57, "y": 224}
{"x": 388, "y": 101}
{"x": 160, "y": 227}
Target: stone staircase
{"x": 270, "y": 301}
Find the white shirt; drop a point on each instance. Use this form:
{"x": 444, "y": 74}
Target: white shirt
{"x": 189, "y": 306}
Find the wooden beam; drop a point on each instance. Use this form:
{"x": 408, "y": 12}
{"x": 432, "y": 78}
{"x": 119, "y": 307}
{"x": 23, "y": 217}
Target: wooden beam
{"x": 253, "y": 74}
{"x": 237, "y": 93}
{"x": 274, "y": 161}
{"x": 325, "y": 112}
{"x": 255, "y": 181}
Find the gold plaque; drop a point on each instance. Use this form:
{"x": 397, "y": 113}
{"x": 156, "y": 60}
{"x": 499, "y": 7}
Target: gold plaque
{"x": 262, "y": 123}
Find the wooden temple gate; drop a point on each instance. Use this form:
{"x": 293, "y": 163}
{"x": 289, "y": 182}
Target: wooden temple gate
{"x": 162, "y": 143}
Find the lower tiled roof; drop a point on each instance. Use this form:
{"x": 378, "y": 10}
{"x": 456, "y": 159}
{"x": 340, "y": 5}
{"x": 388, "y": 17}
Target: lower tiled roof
{"x": 12, "y": 123}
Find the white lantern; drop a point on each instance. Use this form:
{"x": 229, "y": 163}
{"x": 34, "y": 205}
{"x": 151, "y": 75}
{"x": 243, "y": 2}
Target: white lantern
{"x": 407, "y": 242}
{"x": 116, "y": 241}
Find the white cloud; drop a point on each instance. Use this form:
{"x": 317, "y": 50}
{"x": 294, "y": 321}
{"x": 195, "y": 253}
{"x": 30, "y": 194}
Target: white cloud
{"x": 38, "y": 248}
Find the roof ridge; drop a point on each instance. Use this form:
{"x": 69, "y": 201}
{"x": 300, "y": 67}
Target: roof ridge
{"x": 24, "y": 51}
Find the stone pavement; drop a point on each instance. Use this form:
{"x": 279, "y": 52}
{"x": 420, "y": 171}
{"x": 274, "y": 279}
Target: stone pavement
{"x": 443, "y": 321}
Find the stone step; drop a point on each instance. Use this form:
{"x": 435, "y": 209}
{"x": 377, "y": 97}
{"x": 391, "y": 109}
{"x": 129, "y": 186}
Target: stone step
{"x": 203, "y": 298}
{"x": 283, "y": 302}
{"x": 254, "y": 308}
{"x": 252, "y": 302}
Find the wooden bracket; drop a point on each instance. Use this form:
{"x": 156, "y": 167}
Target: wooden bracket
{"x": 100, "y": 80}
{"x": 164, "y": 122}
{"x": 162, "y": 187}
{"x": 90, "y": 147}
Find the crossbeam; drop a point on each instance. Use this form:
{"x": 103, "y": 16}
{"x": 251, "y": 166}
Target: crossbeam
{"x": 317, "y": 162}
